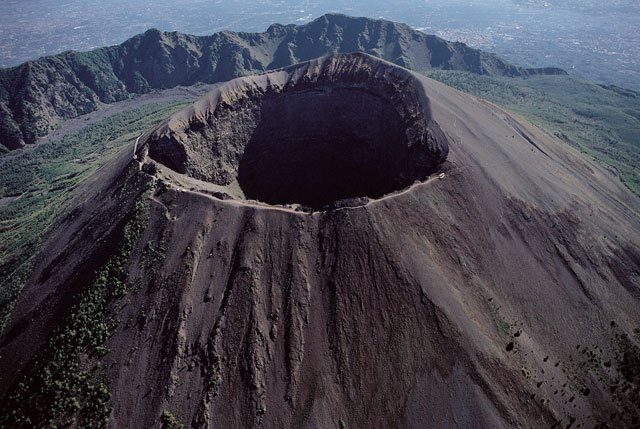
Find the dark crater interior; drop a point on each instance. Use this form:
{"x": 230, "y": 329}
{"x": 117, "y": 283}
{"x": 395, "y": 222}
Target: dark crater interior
{"x": 316, "y": 147}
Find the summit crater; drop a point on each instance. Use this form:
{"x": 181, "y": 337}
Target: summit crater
{"x": 339, "y": 127}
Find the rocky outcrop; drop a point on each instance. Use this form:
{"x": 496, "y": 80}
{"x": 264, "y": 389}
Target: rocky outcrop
{"x": 38, "y": 94}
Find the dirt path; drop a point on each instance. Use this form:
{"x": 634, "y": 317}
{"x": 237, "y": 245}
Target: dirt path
{"x": 6, "y": 200}
{"x": 263, "y": 206}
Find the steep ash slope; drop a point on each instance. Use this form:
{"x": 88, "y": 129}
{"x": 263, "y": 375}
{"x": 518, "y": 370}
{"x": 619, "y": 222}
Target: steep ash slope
{"x": 504, "y": 294}
{"x": 36, "y": 95}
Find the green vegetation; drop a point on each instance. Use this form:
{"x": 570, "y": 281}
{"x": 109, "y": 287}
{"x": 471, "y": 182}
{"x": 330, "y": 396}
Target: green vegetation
{"x": 603, "y": 122}
{"x": 169, "y": 421}
{"x": 504, "y": 328}
{"x": 35, "y": 187}
{"x": 58, "y": 388}
{"x": 153, "y": 255}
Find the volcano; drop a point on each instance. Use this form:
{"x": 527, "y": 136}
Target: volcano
{"x": 338, "y": 243}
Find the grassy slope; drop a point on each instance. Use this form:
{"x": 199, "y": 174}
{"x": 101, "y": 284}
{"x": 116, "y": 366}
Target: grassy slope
{"x": 42, "y": 178}
{"x": 603, "y": 123}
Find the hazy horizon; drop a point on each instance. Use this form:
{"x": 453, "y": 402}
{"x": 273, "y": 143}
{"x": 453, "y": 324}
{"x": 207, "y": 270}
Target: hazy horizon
{"x": 575, "y": 35}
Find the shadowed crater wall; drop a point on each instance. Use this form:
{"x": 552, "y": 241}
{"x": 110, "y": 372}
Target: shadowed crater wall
{"x": 319, "y": 146}
{"x": 338, "y": 127}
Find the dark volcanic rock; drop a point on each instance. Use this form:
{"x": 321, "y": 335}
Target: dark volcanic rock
{"x": 339, "y": 127}
{"x": 38, "y": 94}
{"x": 493, "y": 296}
